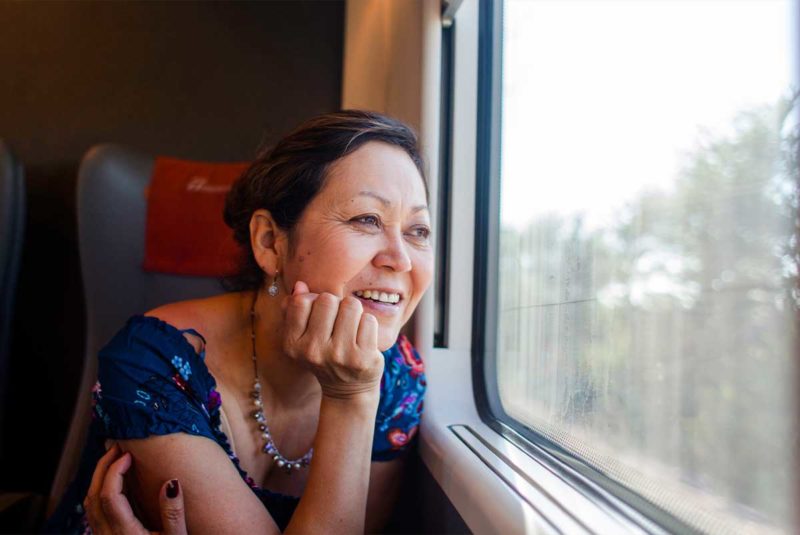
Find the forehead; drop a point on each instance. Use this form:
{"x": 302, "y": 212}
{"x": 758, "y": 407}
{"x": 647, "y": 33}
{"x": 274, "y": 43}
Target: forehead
{"x": 377, "y": 167}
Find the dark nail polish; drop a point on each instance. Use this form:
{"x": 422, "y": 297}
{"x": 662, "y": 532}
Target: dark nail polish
{"x": 173, "y": 488}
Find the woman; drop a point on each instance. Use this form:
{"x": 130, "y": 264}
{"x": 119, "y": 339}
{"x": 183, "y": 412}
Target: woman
{"x": 262, "y": 402}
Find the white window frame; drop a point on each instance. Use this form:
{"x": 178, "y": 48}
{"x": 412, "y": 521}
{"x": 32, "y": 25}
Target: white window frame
{"x": 495, "y": 485}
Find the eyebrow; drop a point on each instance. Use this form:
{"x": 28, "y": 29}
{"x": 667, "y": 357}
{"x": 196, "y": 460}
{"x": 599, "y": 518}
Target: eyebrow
{"x": 386, "y": 202}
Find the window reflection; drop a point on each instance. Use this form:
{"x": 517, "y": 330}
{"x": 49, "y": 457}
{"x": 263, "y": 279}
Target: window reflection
{"x": 649, "y": 246}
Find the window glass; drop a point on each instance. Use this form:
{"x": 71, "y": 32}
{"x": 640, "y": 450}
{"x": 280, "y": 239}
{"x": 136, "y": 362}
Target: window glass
{"x": 648, "y": 292}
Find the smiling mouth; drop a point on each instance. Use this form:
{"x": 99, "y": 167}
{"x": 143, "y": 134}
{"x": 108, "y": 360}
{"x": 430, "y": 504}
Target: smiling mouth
{"x": 379, "y": 297}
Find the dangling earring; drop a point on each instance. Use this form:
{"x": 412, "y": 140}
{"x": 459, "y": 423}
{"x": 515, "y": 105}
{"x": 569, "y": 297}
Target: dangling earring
{"x": 272, "y": 290}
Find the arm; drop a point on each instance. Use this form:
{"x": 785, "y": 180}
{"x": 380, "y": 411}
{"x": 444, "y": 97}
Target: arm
{"x": 335, "y": 496}
{"x": 108, "y": 510}
{"x": 107, "y": 484}
{"x": 218, "y": 501}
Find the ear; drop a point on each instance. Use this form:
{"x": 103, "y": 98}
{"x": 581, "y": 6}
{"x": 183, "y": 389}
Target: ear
{"x": 268, "y": 241}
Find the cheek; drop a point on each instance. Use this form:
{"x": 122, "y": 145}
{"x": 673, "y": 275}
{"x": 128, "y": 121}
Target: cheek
{"x": 423, "y": 272}
{"x": 421, "y": 277}
{"x": 328, "y": 264}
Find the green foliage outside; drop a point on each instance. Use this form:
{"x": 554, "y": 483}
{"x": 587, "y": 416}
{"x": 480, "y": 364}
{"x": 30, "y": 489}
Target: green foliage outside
{"x": 668, "y": 339}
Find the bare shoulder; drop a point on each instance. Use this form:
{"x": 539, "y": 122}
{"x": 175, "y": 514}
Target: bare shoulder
{"x": 208, "y": 316}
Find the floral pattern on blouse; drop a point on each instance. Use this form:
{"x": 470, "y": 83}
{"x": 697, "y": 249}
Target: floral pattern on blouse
{"x": 151, "y": 381}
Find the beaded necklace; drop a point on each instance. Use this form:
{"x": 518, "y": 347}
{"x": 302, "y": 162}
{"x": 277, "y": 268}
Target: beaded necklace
{"x": 269, "y": 447}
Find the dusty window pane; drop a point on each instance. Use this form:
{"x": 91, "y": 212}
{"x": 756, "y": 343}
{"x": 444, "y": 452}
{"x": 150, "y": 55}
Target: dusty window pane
{"x": 648, "y": 300}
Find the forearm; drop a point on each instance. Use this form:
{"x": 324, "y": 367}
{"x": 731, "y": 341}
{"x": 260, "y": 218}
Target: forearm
{"x": 335, "y": 497}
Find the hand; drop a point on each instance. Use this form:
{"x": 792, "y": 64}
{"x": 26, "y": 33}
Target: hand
{"x": 109, "y": 511}
{"x": 335, "y": 340}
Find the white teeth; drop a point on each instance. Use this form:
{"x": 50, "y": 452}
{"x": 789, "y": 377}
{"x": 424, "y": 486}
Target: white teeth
{"x": 378, "y": 296}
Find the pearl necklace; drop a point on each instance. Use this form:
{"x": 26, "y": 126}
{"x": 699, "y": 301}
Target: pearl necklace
{"x": 269, "y": 448}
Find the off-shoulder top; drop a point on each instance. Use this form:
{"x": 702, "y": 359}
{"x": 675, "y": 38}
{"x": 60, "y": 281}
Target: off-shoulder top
{"x": 151, "y": 381}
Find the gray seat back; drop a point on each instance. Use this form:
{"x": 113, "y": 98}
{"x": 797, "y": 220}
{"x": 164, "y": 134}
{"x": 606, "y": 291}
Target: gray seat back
{"x": 112, "y": 210}
{"x": 12, "y": 229}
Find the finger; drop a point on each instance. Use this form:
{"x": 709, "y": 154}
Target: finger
{"x": 300, "y": 288}
{"x": 91, "y": 504}
{"x": 367, "y": 332}
{"x": 345, "y": 329}
{"x": 323, "y": 314}
{"x": 173, "y": 515}
{"x": 298, "y": 311}
{"x": 116, "y": 508}
{"x": 102, "y": 467}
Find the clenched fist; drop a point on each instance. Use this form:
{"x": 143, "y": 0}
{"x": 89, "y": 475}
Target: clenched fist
{"x": 335, "y": 340}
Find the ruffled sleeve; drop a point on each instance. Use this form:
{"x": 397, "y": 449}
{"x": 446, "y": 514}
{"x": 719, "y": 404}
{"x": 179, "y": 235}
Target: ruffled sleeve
{"x": 152, "y": 382}
{"x": 402, "y": 394}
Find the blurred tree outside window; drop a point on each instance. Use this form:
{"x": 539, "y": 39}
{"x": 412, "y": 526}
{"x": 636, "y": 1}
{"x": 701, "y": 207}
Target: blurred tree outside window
{"x": 648, "y": 281}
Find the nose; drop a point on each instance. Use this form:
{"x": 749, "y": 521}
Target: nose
{"x": 394, "y": 254}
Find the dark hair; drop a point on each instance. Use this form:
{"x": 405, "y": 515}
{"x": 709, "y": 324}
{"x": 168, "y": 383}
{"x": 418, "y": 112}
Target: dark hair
{"x": 285, "y": 178}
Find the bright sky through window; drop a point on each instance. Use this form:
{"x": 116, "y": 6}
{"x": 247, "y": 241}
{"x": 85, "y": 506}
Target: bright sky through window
{"x": 589, "y": 93}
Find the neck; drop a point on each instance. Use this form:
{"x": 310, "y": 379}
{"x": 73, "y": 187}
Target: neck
{"x": 285, "y": 383}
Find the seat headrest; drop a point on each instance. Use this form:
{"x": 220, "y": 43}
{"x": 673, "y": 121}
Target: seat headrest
{"x": 185, "y": 233}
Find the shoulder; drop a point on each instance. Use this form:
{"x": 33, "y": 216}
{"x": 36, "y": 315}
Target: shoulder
{"x": 403, "y": 359}
{"x": 164, "y": 341}
{"x": 403, "y": 389}
{"x": 209, "y": 317}
{"x": 152, "y": 379}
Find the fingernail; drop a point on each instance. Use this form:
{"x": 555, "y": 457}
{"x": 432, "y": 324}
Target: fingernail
{"x": 173, "y": 489}
{"x": 294, "y": 290}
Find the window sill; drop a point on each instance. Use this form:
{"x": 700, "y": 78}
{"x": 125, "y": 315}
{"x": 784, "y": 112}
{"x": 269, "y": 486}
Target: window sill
{"x": 494, "y": 485}
{"x": 485, "y": 502}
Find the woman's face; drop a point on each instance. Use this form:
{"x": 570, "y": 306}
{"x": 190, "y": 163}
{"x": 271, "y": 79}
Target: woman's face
{"x": 368, "y": 230}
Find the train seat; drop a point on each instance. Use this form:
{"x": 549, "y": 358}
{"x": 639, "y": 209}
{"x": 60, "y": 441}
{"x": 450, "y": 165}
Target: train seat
{"x": 112, "y": 214}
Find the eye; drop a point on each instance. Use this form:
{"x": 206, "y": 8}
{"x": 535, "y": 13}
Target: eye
{"x": 369, "y": 220}
{"x": 421, "y": 232}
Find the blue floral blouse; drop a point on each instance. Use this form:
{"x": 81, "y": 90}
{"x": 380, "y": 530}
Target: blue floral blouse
{"x": 152, "y": 382}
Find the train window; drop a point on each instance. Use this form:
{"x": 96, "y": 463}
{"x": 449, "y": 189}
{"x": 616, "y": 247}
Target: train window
{"x": 640, "y": 314}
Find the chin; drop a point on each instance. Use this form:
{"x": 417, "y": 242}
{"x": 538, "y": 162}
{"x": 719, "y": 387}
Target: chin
{"x": 387, "y": 339}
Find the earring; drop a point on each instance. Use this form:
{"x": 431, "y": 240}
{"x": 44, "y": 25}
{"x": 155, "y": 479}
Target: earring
{"x": 272, "y": 290}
